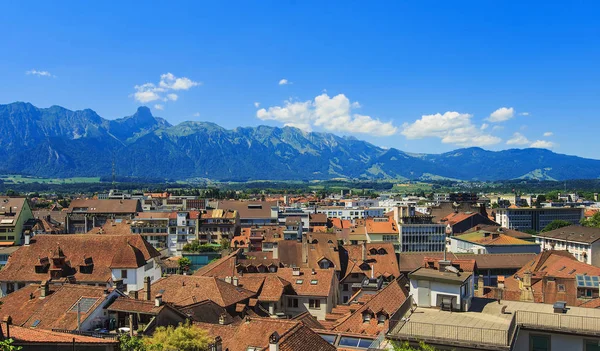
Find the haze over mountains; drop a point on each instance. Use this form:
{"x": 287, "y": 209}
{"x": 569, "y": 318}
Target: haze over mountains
{"x": 56, "y": 142}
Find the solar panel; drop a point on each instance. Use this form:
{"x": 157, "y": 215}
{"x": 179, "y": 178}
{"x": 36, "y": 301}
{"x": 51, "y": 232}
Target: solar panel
{"x": 586, "y": 281}
{"x": 85, "y": 304}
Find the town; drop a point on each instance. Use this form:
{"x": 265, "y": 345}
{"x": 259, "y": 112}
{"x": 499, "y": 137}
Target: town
{"x": 335, "y": 271}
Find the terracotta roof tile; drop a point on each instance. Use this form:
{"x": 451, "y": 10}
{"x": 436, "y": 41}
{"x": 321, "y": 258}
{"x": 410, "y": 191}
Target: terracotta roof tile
{"x": 105, "y": 251}
{"x": 105, "y": 206}
{"x": 41, "y": 336}
{"x": 381, "y": 263}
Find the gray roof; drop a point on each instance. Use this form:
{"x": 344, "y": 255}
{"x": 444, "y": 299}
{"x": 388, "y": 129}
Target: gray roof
{"x": 435, "y": 275}
{"x": 575, "y": 233}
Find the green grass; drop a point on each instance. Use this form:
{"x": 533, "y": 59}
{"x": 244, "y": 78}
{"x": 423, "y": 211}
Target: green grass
{"x": 19, "y": 179}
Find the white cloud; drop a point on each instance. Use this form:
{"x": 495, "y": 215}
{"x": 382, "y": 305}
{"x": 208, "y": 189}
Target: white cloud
{"x": 502, "y": 114}
{"x": 518, "y": 139}
{"x": 149, "y": 92}
{"x": 330, "y": 113}
{"x": 451, "y": 127}
{"x": 284, "y": 82}
{"x": 159, "y": 107}
{"x": 169, "y": 81}
{"x": 39, "y": 73}
{"x": 484, "y": 126}
{"x": 524, "y": 114}
{"x": 543, "y": 144}
{"x": 257, "y": 104}
{"x": 548, "y": 134}
{"x": 497, "y": 127}
{"x": 197, "y": 114}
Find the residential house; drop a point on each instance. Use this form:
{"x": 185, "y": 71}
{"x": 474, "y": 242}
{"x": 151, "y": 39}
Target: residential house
{"x": 550, "y": 277}
{"x": 67, "y": 307}
{"x": 33, "y": 339}
{"x": 298, "y": 214}
{"x": 144, "y": 315}
{"x": 446, "y": 287}
{"x": 219, "y": 224}
{"x": 183, "y": 229}
{"x": 384, "y": 229}
{"x": 49, "y": 222}
{"x": 102, "y": 260}
{"x": 85, "y": 214}
{"x": 15, "y": 219}
{"x": 496, "y": 228}
{"x": 318, "y": 222}
{"x": 461, "y": 222}
{"x": 491, "y": 242}
{"x": 152, "y": 226}
{"x": 253, "y": 213}
{"x": 364, "y": 262}
{"x": 316, "y": 250}
{"x": 266, "y": 334}
{"x": 581, "y": 242}
{"x": 293, "y": 228}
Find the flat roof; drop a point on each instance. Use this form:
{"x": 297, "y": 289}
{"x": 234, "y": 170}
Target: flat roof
{"x": 433, "y": 274}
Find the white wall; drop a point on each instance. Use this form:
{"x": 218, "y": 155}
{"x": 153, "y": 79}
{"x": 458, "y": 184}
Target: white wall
{"x": 440, "y": 288}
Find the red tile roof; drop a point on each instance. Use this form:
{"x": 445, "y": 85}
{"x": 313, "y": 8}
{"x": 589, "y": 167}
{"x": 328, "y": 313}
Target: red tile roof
{"x": 23, "y": 335}
{"x": 182, "y": 290}
{"x": 382, "y": 264}
{"x": 107, "y": 252}
{"x": 105, "y": 206}
{"x": 294, "y": 335}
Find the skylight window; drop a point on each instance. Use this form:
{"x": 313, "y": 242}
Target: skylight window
{"x": 314, "y": 282}
{"x": 299, "y": 281}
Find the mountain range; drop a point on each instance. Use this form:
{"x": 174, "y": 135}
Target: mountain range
{"x": 57, "y": 142}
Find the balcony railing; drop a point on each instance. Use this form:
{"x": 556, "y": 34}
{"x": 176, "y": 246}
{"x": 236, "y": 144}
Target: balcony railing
{"x": 457, "y": 333}
{"x": 88, "y": 333}
{"x": 557, "y": 321}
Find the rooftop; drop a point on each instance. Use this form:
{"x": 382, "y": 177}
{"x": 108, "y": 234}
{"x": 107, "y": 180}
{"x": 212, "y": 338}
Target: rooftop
{"x": 433, "y": 274}
{"x": 575, "y": 233}
{"x": 486, "y": 238}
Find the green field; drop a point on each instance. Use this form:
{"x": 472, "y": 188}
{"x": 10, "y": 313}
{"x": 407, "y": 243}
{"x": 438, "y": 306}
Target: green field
{"x": 19, "y": 179}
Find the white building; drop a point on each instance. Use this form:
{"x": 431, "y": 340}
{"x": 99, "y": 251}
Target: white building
{"x": 445, "y": 288}
{"x": 350, "y": 212}
{"x": 536, "y": 218}
{"x": 491, "y": 242}
{"x": 582, "y": 242}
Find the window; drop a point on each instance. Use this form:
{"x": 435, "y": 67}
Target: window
{"x": 329, "y": 338}
{"x": 355, "y": 342}
{"x": 560, "y": 287}
{"x": 123, "y": 273}
{"x": 345, "y": 288}
{"x": 345, "y": 299}
{"x": 539, "y": 342}
{"x": 366, "y": 317}
{"x": 591, "y": 345}
{"x": 292, "y": 303}
{"x": 299, "y": 281}
{"x": 314, "y": 304}
{"x": 381, "y": 318}
{"x": 314, "y": 282}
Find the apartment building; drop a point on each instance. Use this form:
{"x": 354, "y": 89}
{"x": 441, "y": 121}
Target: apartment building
{"x": 85, "y": 214}
{"x": 350, "y": 213}
{"x": 15, "y": 218}
{"x": 216, "y": 225}
{"x": 297, "y": 213}
{"x": 491, "y": 242}
{"x": 183, "y": 229}
{"x": 417, "y": 232}
{"x": 152, "y": 226}
{"x": 536, "y": 218}
{"x": 253, "y": 213}
{"x": 582, "y": 242}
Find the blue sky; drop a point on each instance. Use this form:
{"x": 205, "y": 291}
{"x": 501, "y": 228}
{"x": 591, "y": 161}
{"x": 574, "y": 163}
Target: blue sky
{"x": 425, "y": 76}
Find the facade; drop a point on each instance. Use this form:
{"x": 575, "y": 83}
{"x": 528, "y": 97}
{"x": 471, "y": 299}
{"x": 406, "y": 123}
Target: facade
{"x": 253, "y": 213}
{"x": 422, "y": 237}
{"x": 442, "y": 288}
{"x": 152, "y": 226}
{"x": 83, "y": 215}
{"x": 183, "y": 229}
{"x": 351, "y": 212}
{"x": 15, "y": 215}
{"x": 88, "y": 259}
{"x": 293, "y": 228}
{"x": 536, "y": 218}
{"x": 297, "y": 213}
{"x": 216, "y": 225}
{"x": 581, "y": 242}
{"x": 486, "y": 242}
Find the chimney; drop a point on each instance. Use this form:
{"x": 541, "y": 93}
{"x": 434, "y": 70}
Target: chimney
{"x": 274, "y": 342}
{"x": 275, "y": 251}
{"x": 443, "y": 264}
{"x": 480, "y": 286}
{"x": 235, "y": 281}
{"x": 222, "y": 319}
{"x": 45, "y": 289}
{"x": 364, "y": 251}
{"x": 296, "y": 271}
{"x": 304, "y": 248}
{"x": 134, "y": 294}
{"x": 8, "y": 322}
{"x": 148, "y": 288}
{"x": 27, "y": 238}
{"x": 228, "y": 279}
{"x": 158, "y": 300}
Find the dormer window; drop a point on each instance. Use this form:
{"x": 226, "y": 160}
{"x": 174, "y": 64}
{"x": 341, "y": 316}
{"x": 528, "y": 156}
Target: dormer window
{"x": 381, "y": 317}
{"x": 382, "y": 251}
{"x": 366, "y": 316}
{"x": 373, "y": 251}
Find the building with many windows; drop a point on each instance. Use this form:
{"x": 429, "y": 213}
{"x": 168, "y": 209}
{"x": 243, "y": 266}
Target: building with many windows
{"x": 536, "y": 218}
{"x": 582, "y": 242}
{"x": 15, "y": 214}
{"x": 351, "y": 212}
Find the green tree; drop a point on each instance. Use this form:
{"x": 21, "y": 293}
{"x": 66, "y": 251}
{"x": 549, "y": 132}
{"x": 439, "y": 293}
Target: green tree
{"x": 131, "y": 343}
{"x": 593, "y": 221}
{"x": 539, "y": 199}
{"x": 184, "y": 264}
{"x": 405, "y": 346}
{"x": 7, "y": 345}
{"x": 225, "y": 244}
{"x": 184, "y": 337}
{"x": 555, "y": 224}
